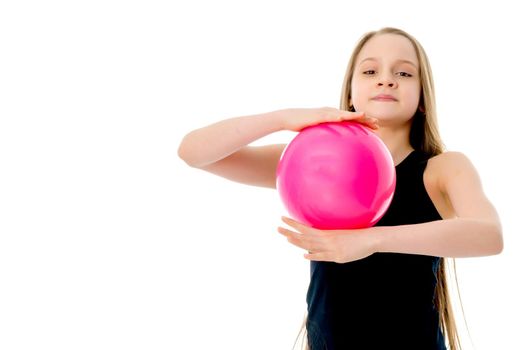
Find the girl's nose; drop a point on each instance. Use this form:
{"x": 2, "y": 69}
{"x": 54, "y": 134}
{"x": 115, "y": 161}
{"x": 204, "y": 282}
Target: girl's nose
{"x": 387, "y": 81}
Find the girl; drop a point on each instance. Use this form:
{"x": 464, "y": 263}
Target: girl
{"x": 384, "y": 286}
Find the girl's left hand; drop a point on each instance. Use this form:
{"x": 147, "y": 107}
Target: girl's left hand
{"x": 339, "y": 246}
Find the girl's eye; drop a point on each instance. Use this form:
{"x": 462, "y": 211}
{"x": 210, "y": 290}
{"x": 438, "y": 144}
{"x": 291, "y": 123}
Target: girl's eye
{"x": 369, "y": 72}
{"x": 405, "y": 74}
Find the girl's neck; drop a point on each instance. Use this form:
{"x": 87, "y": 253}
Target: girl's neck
{"x": 396, "y": 139}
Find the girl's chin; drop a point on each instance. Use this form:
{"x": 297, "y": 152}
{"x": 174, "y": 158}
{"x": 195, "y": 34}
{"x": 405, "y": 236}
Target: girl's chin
{"x": 386, "y": 115}
{"x": 388, "y": 120}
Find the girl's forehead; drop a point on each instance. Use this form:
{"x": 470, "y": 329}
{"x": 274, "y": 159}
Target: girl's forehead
{"x": 391, "y": 47}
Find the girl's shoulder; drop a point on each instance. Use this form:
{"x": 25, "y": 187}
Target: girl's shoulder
{"x": 442, "y": 170}
{"x": 449, "y": 162}
{"x": 446, "y": 166}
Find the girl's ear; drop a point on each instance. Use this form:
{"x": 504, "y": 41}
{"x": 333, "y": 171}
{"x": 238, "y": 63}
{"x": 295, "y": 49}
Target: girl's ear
{"x": 421, "y": 107}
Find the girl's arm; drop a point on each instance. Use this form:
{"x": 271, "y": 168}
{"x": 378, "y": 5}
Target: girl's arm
{"x": 211, "y": 143}
{"x": 475, "y": 231}
{"x": 222, "y": 148}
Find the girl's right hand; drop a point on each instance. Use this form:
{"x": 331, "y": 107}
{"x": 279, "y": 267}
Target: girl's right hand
{"x": 296, "y": 119}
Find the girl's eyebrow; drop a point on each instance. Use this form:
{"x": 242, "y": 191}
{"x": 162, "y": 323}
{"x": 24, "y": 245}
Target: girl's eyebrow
{"x": 397, "y": 61}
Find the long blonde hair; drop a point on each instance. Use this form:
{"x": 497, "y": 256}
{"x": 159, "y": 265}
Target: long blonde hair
{"x": 424, "y": 136}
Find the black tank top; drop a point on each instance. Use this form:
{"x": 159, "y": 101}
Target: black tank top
{"x": 384, "y": 301}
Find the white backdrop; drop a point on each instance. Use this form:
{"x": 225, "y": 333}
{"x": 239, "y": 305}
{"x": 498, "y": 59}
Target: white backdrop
{"x": 109, "y": 241}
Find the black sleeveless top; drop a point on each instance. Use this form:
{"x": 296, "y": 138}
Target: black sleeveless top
{"x": 386, "y": 300}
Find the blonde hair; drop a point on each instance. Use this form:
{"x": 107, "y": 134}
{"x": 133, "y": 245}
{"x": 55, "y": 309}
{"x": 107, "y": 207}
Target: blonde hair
{"x": 424, "y": 136}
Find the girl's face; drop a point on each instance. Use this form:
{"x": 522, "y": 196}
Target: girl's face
{"x": 385, "y": 83}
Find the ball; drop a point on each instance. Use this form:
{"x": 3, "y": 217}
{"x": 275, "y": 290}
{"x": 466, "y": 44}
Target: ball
{"x": 336, "y": 175}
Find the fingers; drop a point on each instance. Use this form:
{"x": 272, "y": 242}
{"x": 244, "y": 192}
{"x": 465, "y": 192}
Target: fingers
{"x": 368, "y": 121}
{"x": 315, "y": 253}
{"x": 310, "y": 239}
{"x": 297, "y": 239}
{"x": 372, "y": 123}
{"x": 337, "y": 115}
{"x": 296, "y": 224}
{"x": 317, "y": 256}
{"x": 360, "y": 117}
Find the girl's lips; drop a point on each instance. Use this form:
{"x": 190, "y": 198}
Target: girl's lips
{"x": 383, "y": 97}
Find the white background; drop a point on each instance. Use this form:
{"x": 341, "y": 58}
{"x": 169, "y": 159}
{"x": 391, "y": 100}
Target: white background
{"x": 109, "y": 241}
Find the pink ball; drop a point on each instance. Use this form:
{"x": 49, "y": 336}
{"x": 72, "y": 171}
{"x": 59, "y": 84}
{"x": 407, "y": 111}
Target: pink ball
{"x": 336, "y": 175}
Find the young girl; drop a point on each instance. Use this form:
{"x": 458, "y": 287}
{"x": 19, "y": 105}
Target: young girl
{"x": 382, "y": 287}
